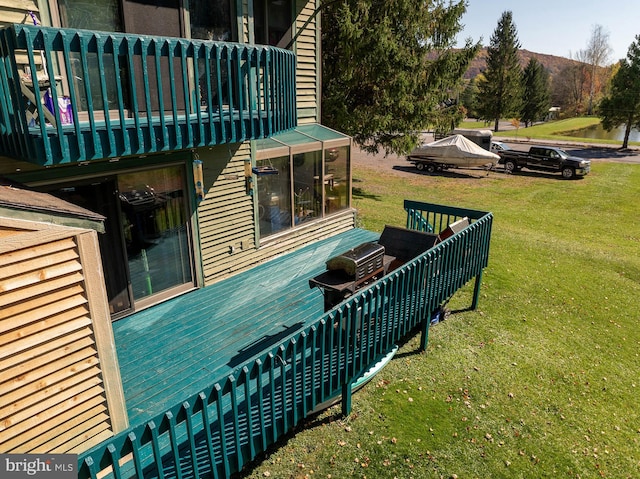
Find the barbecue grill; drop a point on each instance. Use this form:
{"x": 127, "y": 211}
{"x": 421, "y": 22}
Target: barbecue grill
{"x": 353, "y": 269}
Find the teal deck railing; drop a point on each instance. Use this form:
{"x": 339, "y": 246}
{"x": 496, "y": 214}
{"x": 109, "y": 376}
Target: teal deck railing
{"x": 124, "y": 94}
{"x": 216, "y": 432}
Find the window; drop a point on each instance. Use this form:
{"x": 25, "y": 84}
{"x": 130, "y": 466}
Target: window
{"x": 211, "y": 20}
{"x": 274, "y": 196}
{"x": 336, "y": 178}
{"x": 302, "y": 175}
{"x": 272, "y": 22}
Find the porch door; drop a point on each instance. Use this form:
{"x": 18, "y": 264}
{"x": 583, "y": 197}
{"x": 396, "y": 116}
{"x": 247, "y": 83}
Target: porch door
{"x": 146, "y": 247}
{"x": 156, "y": 231}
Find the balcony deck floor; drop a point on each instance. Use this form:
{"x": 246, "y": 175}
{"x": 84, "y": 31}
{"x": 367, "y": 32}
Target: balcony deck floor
{"x": 176, "y": 349}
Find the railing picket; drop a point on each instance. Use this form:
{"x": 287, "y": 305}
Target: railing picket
{"x": 116, "y": 45}
{"x": 246, "y": 375}
{"x": 232, "y": 384}
{"x": 224, "y": 452}
{"x": 258, "y": 368}
{"x": 152, "y": 429}
{"x": 272, "y": 398}
{"x": 100, "y": 47}
{"x": 206, "y": 420}
{"x": 156, "y": 48}
{"x": 183, "y": 48}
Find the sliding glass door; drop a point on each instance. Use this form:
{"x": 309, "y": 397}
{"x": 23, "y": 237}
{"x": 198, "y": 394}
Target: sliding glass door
{"x": 146, "y": 249}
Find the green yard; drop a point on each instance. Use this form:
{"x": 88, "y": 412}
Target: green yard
{"x": 541, "y": 381}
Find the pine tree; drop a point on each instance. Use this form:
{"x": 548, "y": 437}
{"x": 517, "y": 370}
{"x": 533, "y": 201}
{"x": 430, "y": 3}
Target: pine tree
{"x": 390, "y": 69}
{"x": 500, "y": 93}
{"x": 535, "y": 93}
{"x": 469, "y": 98}
{"x": 622, "y": 105}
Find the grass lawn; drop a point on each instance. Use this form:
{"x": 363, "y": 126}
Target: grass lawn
{"x": 542, "y": 381}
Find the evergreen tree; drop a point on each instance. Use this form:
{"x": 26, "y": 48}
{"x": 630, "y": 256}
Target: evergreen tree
{"x": 500, "y": 93}
{"x": 469, "y": 98}
{"x": 390, "y": 69}
{"x": 535, "y": 92}
{"x": 622, "y": 105}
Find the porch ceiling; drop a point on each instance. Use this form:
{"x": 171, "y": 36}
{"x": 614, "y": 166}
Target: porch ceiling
{"x": 178, "y": 348}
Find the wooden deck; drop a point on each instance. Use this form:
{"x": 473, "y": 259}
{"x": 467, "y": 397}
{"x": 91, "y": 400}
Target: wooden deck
{"x": 178, "y": 348}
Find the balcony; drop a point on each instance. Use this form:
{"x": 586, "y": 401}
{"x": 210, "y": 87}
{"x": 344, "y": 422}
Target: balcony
{"x": 71, "y": 95}
{"x": 236, "y": 374}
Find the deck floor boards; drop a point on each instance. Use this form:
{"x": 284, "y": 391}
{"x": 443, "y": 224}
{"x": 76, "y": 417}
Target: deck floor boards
{"x": 178, "y": 348}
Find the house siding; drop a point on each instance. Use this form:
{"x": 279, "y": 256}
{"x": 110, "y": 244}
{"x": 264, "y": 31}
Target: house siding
{"x": 17, "y": 11}
{"x": 307, "y": 50}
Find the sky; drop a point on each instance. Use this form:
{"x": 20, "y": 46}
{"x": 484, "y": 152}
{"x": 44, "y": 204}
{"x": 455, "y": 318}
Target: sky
{"x": 556, "y": 27}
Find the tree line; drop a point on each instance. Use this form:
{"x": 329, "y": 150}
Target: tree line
{"x": 390, "y": 71}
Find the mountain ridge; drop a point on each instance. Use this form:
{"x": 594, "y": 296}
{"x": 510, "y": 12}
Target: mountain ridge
{"x": 552, "y": 63}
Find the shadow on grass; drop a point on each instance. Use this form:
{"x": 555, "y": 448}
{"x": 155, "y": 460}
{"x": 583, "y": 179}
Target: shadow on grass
{"x": 470, "y": 173}
{"x": 359, "y": 193}
{"x": 541, "y": 174}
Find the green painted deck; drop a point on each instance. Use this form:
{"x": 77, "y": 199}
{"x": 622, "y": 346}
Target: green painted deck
{"x": 180, "y": 347}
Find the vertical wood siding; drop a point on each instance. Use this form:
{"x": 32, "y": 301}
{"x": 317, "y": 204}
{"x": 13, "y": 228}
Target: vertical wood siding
{"x": 307, "y": 50}
{"x": 53, "y": 396}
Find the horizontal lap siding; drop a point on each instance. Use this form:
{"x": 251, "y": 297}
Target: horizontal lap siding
{"x": 226, "y": 219}
{"x": 307, "y": 50}
{"x": 53, "y": 397}
{"x": 17, "y": 11}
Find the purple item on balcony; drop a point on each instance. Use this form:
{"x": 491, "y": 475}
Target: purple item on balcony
{"x": 64, "y": 106}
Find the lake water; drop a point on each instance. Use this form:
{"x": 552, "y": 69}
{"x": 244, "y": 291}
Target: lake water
{"x": 599, "y": 133}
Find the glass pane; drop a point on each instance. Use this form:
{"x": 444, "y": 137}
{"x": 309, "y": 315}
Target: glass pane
{"x": 336, "y": 178}
{"x": 274, "y": 197}
{"x": 154, "y": 209}
{"x": 307, "y": 186}
{"x": 101, "y": 15}
{"x": 272, "y": 22}
{"x": 211, "y": 20}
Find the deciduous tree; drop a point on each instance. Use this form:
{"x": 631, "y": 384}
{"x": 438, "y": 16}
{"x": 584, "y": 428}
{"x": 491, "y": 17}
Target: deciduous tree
{"x": 500, "y": 93}
{"x": 535, "y": 92}
{"x": 622, "y": 105}
{"x": 597, "y": 53}
{"x": 390, "y": 69}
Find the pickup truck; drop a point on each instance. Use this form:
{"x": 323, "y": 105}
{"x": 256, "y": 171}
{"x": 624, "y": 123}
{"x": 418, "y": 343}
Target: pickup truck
{"x": 544, "y": 158}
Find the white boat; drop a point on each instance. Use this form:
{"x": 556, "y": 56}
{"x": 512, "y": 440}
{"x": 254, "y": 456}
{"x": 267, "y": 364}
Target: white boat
{"x": 454, "y": 151}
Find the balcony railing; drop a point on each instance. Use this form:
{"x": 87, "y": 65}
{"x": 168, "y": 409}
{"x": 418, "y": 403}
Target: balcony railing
{"x": 74, "y": 95}
{"x": 217, "y": 432}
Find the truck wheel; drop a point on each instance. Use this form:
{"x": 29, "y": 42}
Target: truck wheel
{"x": 568, "y": 172}
{"x": 510, "y": 166}
{"x": 420, "y": 166}
{"x": 431, "y": 168}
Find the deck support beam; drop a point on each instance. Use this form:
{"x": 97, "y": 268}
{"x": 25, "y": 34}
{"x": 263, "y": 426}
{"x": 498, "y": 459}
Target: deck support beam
{"x": 424, "y": 334}
{"x": 476, "y": 291}
{"x": 346, "y": 398}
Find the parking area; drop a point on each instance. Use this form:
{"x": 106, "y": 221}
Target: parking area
{"x": 397, "y": 165}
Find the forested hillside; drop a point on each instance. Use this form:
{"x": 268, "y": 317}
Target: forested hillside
{"x": 553, "y": 64}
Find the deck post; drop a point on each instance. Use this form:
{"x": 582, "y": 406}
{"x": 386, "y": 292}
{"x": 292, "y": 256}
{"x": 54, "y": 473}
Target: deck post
{"x": 476, "y": 291}
{"x": 424, "y": 336}
{"x": 346, "y": 398}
